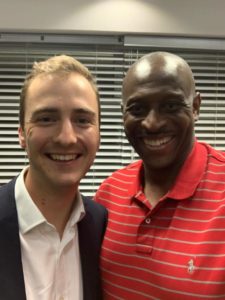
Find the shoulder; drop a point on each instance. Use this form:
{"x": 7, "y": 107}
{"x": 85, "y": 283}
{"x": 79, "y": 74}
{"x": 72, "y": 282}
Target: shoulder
{"x": 7, "y": 191}
{"x": 215, "y": 166}
{"x": 122, "y": 178}
{"x": 121, "y": 185}
{"x": 8, "y": 188}
{"x": 93, "y": 207}
{"x": 214, "y": 154}
{"x": 7, "y": 199}
{"x": 95, "y": 219}
{"x": 122, "y": 174}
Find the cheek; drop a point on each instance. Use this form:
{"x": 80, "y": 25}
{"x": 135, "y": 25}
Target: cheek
{"x": 92, "y": 139}
{"x": 29, "y": 141}
{"x": 95, "y": 138}
{"x": 130, "y": 124}
{"x": 186, "y": 129}
{"x": 34, "y": 138}
{"x": 24, "y": 136}
{"x": 187, "y": 121}
{"x": 29, "y": 135}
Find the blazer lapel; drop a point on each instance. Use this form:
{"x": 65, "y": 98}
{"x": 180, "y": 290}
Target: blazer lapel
{"x": 89, "y": 254}
{"x": 11, "y": 272}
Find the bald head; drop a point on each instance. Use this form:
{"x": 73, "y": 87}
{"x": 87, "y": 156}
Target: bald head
{"x": 161, "y": 67}
{"x": 160, "y": 107}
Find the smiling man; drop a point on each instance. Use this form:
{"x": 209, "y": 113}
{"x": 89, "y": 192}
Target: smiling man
{"x": 50, "y": 234}
{"x": 166, "y": 236}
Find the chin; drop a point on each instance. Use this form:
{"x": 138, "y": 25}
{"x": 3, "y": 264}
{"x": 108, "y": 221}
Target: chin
{"x": 67, "y": 183}
{"x": 160, "y": 164}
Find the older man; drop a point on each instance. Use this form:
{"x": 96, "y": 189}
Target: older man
{"x": 166, "y": 233}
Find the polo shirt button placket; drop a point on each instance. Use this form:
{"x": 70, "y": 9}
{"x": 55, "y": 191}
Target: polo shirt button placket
{"x": 148, "y": 220}
{"x": 144, "y": 240}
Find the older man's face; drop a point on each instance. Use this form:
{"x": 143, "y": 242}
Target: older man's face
{"x": 159, "y": 112}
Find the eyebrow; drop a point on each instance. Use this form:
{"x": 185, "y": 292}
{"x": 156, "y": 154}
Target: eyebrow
{"x": 55, "y": 110}
{"x": 84, "y": 111}
{"x": 44, "y": 110}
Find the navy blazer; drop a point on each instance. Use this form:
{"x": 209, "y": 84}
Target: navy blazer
{"x": 90, "y": 229}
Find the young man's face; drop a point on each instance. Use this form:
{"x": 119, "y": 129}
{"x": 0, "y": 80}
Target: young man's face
{"x": 159, "y": 114}
{"x": 61, "y": 132}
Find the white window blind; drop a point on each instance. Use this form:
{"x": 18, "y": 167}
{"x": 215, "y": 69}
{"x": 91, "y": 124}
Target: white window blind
{"x": 108, "y": 58}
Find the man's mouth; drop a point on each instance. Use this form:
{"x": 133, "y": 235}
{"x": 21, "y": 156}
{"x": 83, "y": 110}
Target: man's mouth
{"x": 155, "y": 143}
{"x": 64, "y": 157}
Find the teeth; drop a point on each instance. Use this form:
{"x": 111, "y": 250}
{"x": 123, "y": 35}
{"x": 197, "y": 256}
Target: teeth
{"x": 157, "y": 143}
{"x": 63, "y": 157}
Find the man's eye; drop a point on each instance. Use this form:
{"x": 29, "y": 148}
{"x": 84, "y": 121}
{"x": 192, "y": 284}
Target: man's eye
{"x": 136, "y": 109}
{"x": 172, "y": 106}
{"x": 45, "y": 120}
{"x": 83, "y": 121}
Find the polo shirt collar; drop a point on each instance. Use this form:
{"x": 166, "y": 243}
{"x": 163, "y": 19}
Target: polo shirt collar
{"x": 190, "y": 173}
{"x": 136, "y": 188}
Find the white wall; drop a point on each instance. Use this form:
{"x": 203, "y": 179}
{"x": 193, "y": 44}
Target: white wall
{"x": 177, "y": 17}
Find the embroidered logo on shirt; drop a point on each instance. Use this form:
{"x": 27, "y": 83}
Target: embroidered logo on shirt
{"x": 191, "y": 266}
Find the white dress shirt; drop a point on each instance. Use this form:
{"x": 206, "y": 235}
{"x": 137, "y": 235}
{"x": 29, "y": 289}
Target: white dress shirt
{"x": 52, "y": 269}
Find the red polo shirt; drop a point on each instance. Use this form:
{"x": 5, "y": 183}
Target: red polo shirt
{"x": 177, "y": 249}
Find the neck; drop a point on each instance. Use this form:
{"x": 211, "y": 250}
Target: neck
{"x": 158, "y": 182}
{"x": 54, "y": 203}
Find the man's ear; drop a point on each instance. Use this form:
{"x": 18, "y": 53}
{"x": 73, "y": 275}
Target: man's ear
{"x": 22, "y": 139}
{"x": 121, "y": 107}
{"x": 196, "y": 106}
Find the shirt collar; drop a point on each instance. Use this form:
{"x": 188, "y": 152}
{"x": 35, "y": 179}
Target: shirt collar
{"x": 78, "y": 211}
{"x": 29, "y": 216}
{"x": 136, "y": 187}
{"x": 190, "y": 173}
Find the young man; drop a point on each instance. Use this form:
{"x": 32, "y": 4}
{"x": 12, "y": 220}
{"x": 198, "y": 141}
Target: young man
{"x": 50, "y": 234}
{"x": 166, "y": 234}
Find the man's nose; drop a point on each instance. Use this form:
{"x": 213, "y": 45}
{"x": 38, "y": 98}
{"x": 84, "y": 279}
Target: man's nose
{"x": 153, "y": 120}
{"x": 66, "y": 133}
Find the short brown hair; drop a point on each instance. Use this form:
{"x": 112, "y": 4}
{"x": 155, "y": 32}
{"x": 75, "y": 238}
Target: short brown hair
{"x": 61, "y": 64}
